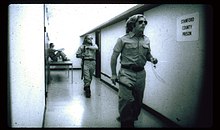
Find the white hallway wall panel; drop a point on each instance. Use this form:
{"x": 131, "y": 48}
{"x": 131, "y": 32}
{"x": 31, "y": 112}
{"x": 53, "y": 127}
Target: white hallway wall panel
{"x": 26, "y": 59}
{"x": 180, "y": 66}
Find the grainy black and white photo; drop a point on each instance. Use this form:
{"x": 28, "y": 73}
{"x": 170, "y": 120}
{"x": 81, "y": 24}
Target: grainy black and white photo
{"x": 110, "y": 66}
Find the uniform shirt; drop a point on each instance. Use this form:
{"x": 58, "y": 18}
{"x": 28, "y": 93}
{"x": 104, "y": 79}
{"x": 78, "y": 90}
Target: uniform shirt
{"x": 51, "y": 52}
{"x": 89, "y": 53}
{"x": 134, "y": 50}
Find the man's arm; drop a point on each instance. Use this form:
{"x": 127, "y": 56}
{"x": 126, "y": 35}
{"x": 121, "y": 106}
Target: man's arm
{"x": 114, "y": 58}
{"x": 79, "y": 53}
{"x": 61, "y": 49}
{"x": 94, "y": 47}
{"x": 152, "y": 59}
{"x": 54, "y": 50}
{"x": 78, "y": 56}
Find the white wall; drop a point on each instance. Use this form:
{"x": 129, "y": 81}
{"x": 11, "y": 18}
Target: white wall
{"x": 109, "y": 36}
{"x": 69, "y": 21}
{"x": 26, "y": 59}
{"x": 180, "y": 64}
{"x": 174, "y": 87}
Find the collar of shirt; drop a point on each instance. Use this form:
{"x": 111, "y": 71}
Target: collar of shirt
{"x": 131, "y": 34}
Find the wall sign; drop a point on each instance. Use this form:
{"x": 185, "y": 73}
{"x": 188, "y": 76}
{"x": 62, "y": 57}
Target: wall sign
{"x": 188, "y": 27}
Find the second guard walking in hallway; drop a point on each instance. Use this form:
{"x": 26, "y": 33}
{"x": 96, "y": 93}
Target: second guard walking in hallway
{"x": 87, "y": 52}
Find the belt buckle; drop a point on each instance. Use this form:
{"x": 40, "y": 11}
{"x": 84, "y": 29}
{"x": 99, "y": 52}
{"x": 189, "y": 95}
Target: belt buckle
{"x": 135, "y": 68}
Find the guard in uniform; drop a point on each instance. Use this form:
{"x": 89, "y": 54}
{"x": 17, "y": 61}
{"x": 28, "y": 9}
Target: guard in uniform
{"x": 87, "y": 53}
{"x": 135, "y": 51}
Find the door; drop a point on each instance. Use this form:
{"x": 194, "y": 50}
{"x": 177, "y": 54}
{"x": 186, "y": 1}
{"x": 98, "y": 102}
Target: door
{"x": 98, "y": 54}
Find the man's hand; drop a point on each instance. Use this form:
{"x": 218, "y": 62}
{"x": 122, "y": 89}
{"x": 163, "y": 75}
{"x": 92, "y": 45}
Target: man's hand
{"x": 83, "y": 54}
{"x": 114, "y": 78}
{"x": 154, "y": 60}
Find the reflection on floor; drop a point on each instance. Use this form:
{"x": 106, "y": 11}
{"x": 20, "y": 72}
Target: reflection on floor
{"x": 67, "y": 106}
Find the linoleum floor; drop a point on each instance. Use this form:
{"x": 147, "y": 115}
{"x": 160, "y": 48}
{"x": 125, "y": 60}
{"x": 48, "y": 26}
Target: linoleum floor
{"x": 67, "y": 106}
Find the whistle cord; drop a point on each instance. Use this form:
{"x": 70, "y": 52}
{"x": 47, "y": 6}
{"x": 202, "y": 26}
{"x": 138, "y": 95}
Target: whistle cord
{"x": 156, "y": 75}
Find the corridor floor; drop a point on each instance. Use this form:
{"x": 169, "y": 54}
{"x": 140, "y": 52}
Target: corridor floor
{"x": 67, "y": 106}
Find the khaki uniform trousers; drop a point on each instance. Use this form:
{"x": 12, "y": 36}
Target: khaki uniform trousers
{"x": 89, "y": 68}
{"x": 130, "y": 100}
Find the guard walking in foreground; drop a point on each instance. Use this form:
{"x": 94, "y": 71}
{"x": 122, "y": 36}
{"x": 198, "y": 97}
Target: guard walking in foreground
{"x": 87, "y": 52}
{"x": 135, "y": 51}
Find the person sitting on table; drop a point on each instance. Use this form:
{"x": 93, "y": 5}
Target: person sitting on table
{"x": 54, "y": 54}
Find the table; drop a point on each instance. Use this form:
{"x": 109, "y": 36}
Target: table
{"x": 68, "y": 64}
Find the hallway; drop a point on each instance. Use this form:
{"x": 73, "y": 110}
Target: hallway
{"x": 67, "y": 106}
{"x": 179, "y": 89}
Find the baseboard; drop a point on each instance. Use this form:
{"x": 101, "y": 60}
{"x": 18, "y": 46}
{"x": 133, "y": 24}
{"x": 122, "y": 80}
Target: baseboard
{"x": 169, "y": 122}
{"x": 44, "y": 114}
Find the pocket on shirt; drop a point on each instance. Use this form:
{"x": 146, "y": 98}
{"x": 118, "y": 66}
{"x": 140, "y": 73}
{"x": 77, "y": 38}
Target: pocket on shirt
{"x": 131, "y": 48}
{"x": 130, "y": 45}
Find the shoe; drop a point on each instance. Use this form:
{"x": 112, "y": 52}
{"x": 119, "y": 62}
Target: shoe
{"x": 136, "y": 119}
{"x": 119, "y": 119}
{"x": 87, "y": 92}
{"x": 86, "y": 88}
{"x": 127, "y": 124}
{"x": 88, "y": 95}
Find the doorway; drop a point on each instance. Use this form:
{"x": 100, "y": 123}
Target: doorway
{"x": 98, "y": 54}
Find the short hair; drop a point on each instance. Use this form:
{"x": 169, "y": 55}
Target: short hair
{"x": 51, "y": 44}
{"x": 130, "y": 23}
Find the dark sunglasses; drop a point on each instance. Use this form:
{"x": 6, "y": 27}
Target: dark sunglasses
{"x": 89, "y": 38}
{"x": 140, "y": 22}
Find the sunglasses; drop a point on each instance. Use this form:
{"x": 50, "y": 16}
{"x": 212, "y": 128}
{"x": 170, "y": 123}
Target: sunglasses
{"x": 90, "y": 38}
{"x": 140, "y": 22}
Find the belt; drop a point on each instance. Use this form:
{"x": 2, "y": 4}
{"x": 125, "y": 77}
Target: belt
{"x": 90, "y": 59}
{"x": 133, "y": 67}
